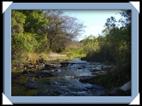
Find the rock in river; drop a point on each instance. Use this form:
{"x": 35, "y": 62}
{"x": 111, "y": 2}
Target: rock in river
{"x": 31, "y": 84}
{"x": 43, "y": 73}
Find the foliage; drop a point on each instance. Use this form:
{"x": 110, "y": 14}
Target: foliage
{"x": 18, "y": 21}
{"x": 113, "y": 46}
{"x": 41, "y": 31}
{"x": 75, "y": 53}
{"x": 61, "y": 29}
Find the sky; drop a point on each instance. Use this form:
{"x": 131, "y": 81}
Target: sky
{"x": 93, "y": 20}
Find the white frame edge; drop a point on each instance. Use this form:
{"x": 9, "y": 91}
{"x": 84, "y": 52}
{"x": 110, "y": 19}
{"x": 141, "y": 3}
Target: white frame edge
{"x": 5, "y": 5}
{"x": 136, "y": 5}
{"x": 5, "y": 100}
{"x": 136, "y": 100}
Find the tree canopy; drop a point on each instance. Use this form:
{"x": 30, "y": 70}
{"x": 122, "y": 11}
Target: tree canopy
{"x": 42, "y": 30}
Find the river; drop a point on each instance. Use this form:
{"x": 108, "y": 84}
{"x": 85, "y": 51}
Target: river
{"x": 65, "y": 81}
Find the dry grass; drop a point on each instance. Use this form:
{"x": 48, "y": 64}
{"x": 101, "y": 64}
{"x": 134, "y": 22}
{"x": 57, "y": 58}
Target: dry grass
{"x": 33, "y": 57}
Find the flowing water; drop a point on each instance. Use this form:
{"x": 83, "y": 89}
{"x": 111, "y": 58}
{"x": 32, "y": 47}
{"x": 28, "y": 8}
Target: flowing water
{"x": 65, "y": 81}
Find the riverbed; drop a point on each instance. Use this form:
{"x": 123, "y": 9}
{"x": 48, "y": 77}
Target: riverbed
{"x": 63, "y": 80}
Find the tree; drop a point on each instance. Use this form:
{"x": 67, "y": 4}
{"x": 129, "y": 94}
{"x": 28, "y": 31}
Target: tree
{"x": 61, "y": 27}
{"x": 18, "y": 21}
{"x": 119, "y": 38}
{"x": 115, "y": 45}
{"x": 49, "y": 29}
{"x": 36, "y": 21}
{"x": 126, "y": 20}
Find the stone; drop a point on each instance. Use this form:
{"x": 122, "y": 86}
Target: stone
{"x": 59, "y": 70}
{"x": 50, "y": 66}
{"x": 126, "y": 86}
{"x": 64, "y": 64}
{"x": 95, "y": 70}
{"x": 31, "y": 84}
{"x": 44, "y": 73}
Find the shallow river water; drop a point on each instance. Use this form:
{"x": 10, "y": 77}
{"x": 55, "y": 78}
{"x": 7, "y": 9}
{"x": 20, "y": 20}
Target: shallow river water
{"x": 65, "y": 81}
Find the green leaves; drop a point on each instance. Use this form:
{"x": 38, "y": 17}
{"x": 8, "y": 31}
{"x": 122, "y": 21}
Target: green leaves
{"x": 41, "y": 31}
{"x": 114, "y": 46}
{"x": 29, "y": 42}
{"x": 35, "y": 21}
{"x": 18, "y": 21}
{"x": 24, "y": 42}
